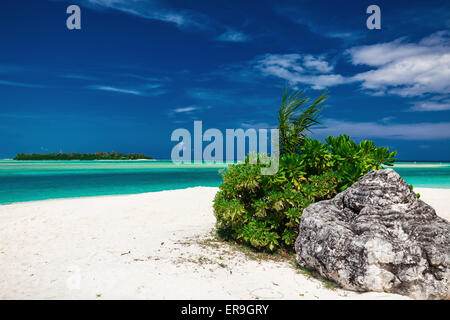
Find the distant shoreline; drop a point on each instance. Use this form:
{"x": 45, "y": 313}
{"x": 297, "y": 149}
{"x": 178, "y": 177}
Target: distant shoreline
{"x": 81, "y": 156}
{"x": 86, "y": 160}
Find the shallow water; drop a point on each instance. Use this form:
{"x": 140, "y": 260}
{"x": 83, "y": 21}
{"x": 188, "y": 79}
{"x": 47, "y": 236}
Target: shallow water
{"x": 425, "y": 174}
{"x": 38, "y": 180}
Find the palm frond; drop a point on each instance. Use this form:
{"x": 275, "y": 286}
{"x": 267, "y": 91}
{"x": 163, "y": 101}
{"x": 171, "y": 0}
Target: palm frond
{"x": 296, "y": 118}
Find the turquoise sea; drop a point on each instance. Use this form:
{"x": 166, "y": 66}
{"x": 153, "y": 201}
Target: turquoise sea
{"x": 38, "y": 180}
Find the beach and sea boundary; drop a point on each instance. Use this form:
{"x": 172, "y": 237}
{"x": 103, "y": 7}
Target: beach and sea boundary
{"x": 157, "y": 245}
{"x": 39, "y": 180}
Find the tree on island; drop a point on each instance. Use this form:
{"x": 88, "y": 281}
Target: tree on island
{"x": 81, "y": 156}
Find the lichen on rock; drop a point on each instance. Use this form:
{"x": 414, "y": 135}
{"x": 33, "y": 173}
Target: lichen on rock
{"x": 377, "y": 236}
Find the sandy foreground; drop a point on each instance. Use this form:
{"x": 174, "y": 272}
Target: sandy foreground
{"x": 157, "y": 245}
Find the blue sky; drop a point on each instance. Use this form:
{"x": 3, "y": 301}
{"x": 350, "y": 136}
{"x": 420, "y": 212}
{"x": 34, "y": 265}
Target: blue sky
{"x": 137, "y": 70}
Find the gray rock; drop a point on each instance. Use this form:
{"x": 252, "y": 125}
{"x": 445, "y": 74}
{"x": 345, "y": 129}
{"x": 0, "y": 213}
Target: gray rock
{"x": 377, "y": 236}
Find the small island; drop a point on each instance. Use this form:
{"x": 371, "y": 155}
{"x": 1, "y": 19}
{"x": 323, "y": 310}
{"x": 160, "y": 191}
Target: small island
{"x": 82, "y": 156}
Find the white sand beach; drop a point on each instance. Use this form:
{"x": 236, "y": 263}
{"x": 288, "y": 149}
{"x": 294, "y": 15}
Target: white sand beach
{"x": 148, "y": 246}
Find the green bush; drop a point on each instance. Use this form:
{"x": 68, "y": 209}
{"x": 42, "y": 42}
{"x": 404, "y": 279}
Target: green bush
{"x": 352, "y": 160}
{"x": 264, "y": 211}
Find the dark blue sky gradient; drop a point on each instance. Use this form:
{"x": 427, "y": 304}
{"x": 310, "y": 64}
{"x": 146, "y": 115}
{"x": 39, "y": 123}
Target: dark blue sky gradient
{"x": 137, "y": 70}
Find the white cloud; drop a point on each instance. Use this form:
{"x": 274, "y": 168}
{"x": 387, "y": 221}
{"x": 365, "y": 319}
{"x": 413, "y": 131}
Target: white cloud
{"x": 233, "y": 36}
{"x": 388, "y": 119}
{"x": 187, "y": 112}
{"x": 118, "y": 90}
{"x": 297, "y": 68}
{"x": 383, "y": 53}
{"x": 398, "y": 67}
{"x": 151, "y": 86}
{"x": 431, "y": 106}
{"x": 286, "y": 62}
{"x": 317, "y": 63}
{"x": 141, "y": 90}
{"x": 321, "y": 29}
{"x": 406, "y": 69}
{"x": 186, "y": 109}
{"x": 399, "y": 131}
{"x": 323, "y": 81}
{"x": 344, "y": 35}
{"x": 149, "y": 78}
{"x": 150, "y": 10}
{"x": 20, "y": 84}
